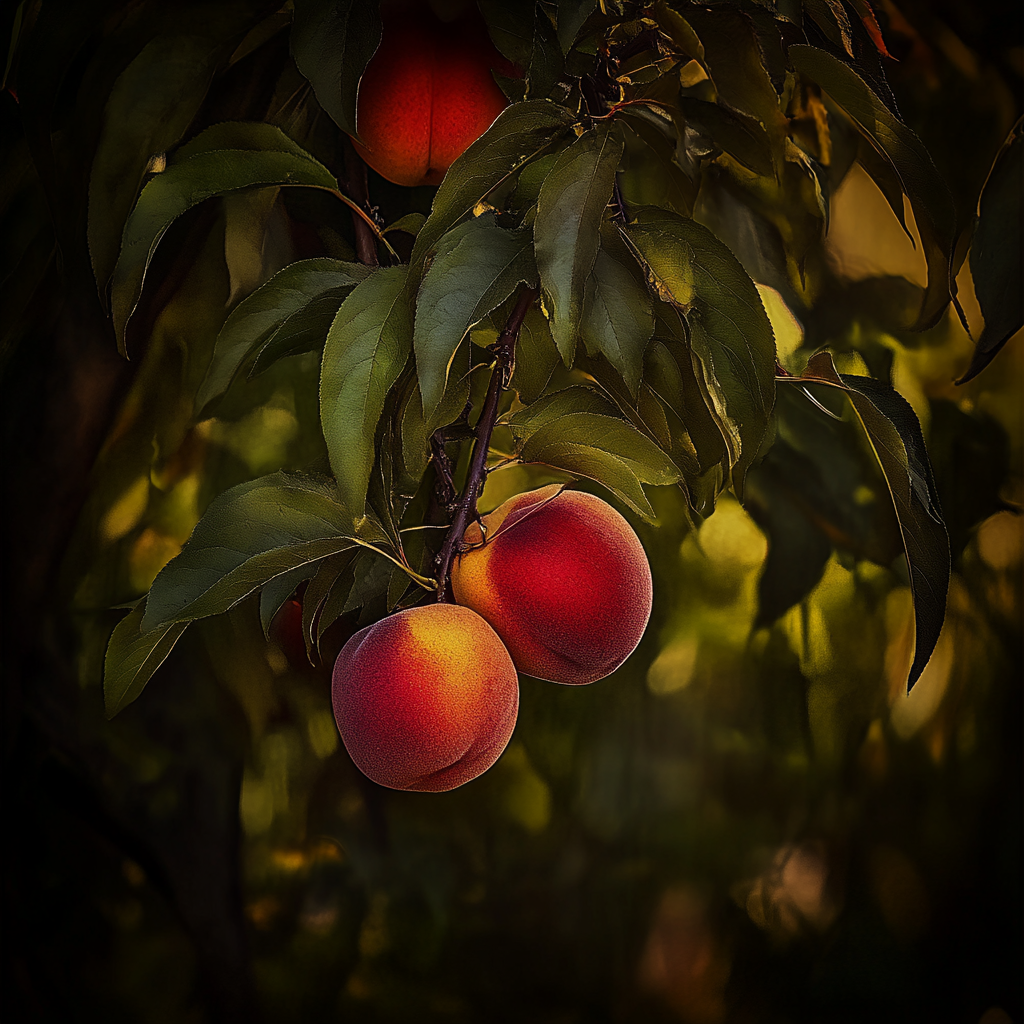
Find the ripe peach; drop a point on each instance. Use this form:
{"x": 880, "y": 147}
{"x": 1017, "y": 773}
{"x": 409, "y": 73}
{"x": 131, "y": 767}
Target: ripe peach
{"x": 427, "y": 93}
{"x": 425, "y": 699}
{"x": 563, "y": 580}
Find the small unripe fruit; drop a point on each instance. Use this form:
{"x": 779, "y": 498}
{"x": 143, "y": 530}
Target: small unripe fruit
{"x": 564, "y": 581}
{"x": 425, "y": 699}
{"x": 427, "y": 93}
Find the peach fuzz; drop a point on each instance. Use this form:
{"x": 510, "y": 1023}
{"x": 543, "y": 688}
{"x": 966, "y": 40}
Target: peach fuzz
{"x": 427, "y": 93}
{"x": 564, "y": 581}
{"x": 425, "y": 699}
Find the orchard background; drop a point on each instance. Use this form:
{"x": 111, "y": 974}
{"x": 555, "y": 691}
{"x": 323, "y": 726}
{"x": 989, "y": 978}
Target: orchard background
{"x": 749, "y": 247}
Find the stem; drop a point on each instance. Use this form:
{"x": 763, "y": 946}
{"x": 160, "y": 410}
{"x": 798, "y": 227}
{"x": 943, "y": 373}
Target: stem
{"x": 465, "y": 510}
{"x": 355, "y": 172}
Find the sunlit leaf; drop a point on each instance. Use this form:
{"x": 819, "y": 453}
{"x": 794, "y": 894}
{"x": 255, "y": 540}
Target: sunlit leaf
{"x": 291, "y": 313}
{"x": 222, "y": 159}
{"x": 133, "y": 655}
{"x": 902, "y": 149}
{"x": 567, "y": 230}
{"x": 996, "y": 264}
{"x": 729, "y": 330}
{"x": 332, "y": 41}
{"x": 895, "y": 435}
{"x": 478, "y": 265}
{"x": 249, "y": 535}
{"x": 366, "y": 349}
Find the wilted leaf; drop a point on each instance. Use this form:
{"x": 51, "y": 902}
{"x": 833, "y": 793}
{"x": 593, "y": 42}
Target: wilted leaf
{"x": 222, "y": 159}
{"x": 903, "y": 150}
{"x": 996, "y": 264}
{"x": 570, "y": 210}
{"x": 729, "y": 330}
{"x": 248, "y": 535}
{"x": 366, "y": 349}
{"x": 332, "y": 41}
{"x": 520, "y": 133}
{"x": 133, "y": 655}
{"x": 895, "y": 435}
{"x": 291, "y": 313}
{"x": 477, "y": 267}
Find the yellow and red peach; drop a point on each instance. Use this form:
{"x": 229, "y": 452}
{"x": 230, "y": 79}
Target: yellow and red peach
{"x": 427, "y": 93}
{"x": 425, "y": 699}
{"x": 564, "y": 581}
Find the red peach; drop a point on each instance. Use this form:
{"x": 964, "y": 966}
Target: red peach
{"x": 427, "y": 93}
{"x": 425, "y": 699}
{"x": 564, "y": 581}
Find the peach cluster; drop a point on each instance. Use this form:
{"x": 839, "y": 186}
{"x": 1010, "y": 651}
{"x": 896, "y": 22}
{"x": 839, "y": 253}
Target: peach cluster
{"x": 554, "y": 584}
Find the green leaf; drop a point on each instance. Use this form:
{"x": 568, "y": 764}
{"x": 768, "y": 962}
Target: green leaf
{"x": 328, "y": 573}
{"x": 332, "y": 41}
{"x": 617, "y": 314}
{"x": 223, "y": 159}
{"x": 133, "y": 655}
{"x": 895, "y": 435}
{"x": 478, "y": 265}
{"x": 910, "y": 161}
{"x": 366, "y": 349}
{"x": 274, "y": 593}
{"x": 248, "y": 536}
{"x": 292, "y": 312}
{"x": 570, "y": 210}
{"x": 742, "y": 137}
{"x": 577, "y": 431}
{"x": 153, "y": 102}
{"x": 730, "y": 332}
{"x": 832, "y": 19}
{"x": 996, "y": 263}
{"x": 536, "y": 357}
{"x": 519, "y": 134}
{"x": 571, "y": 16}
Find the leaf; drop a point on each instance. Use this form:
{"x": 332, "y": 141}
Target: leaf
{"x": 831, "y": 17}
{"x": 895, "y": 435}
{"x": 571, "y": 16}
{"x": 332, "y": 41}
{"x": 477, "y": 267}
{"x": 617, "y": 317}
{"x": 133, "y": 655}
{"x": 328, "y": 573}
{"x": 906, "y": 155}
{"x": 578, "y": 431}
{"x": 870, "y": 22}
{"x": 730, "y": 332}
{"x": 224, "y": 158}
{"x": 285, "y": 313}
{"x": 366, "y": 349}
{"x": 739, "y": 135}
{"x": 249, "y": 535}
{"x": 153, "y": 102}
{"x": 570, "y": 210}
{"x": 536, "y": 357}
{"x": 996, "y": 264}
{"x": 519, "y": 134}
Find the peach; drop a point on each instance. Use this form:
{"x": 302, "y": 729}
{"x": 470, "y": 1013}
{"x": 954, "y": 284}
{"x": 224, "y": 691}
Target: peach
{"x": 564, "y": 581}
{"x": 427, "y": 93}
{"x": 425, "y": 699}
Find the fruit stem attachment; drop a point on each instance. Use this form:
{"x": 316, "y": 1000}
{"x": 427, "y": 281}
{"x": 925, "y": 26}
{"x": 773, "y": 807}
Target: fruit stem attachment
{"x": 465, "y": 510}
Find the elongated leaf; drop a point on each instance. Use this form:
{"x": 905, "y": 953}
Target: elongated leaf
{"x": 149, "y": 109}
{"x": 248, "y": 536}
{"x": 477, "y": 267}
{"x": 519, "y": 134}
{"x": 903, "y": 150}
{"x": 133, "y": 655}
{"x": 996, "y": 263}
{"x": 222, "y": 159}
{"x": 332, "y": 41}
{"x": 571, "y": 16}
{"x": 274, "y": 593}
{"x": 742, "y": 137}
{"x": 366, "y": 349}
{"x": 617, "y": 314}
{"x": 328, "y": 573}
{"x": 536, "y": 357}
{"x": 729, "y": 330}
{"x": 895, "y": 435}
{"x": 570, "y": 210}
{"x": 273, "y": 316}
{"x": 578, "y": 431}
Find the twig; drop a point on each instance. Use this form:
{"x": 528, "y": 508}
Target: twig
{"x": 465, "y": 510}
{"x": 355, "y": 172}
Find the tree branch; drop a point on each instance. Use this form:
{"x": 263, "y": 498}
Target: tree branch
{"x": 465, "y": 510}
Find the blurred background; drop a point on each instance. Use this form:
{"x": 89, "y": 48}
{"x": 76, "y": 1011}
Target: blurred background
{"x": 750, "y": 821}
